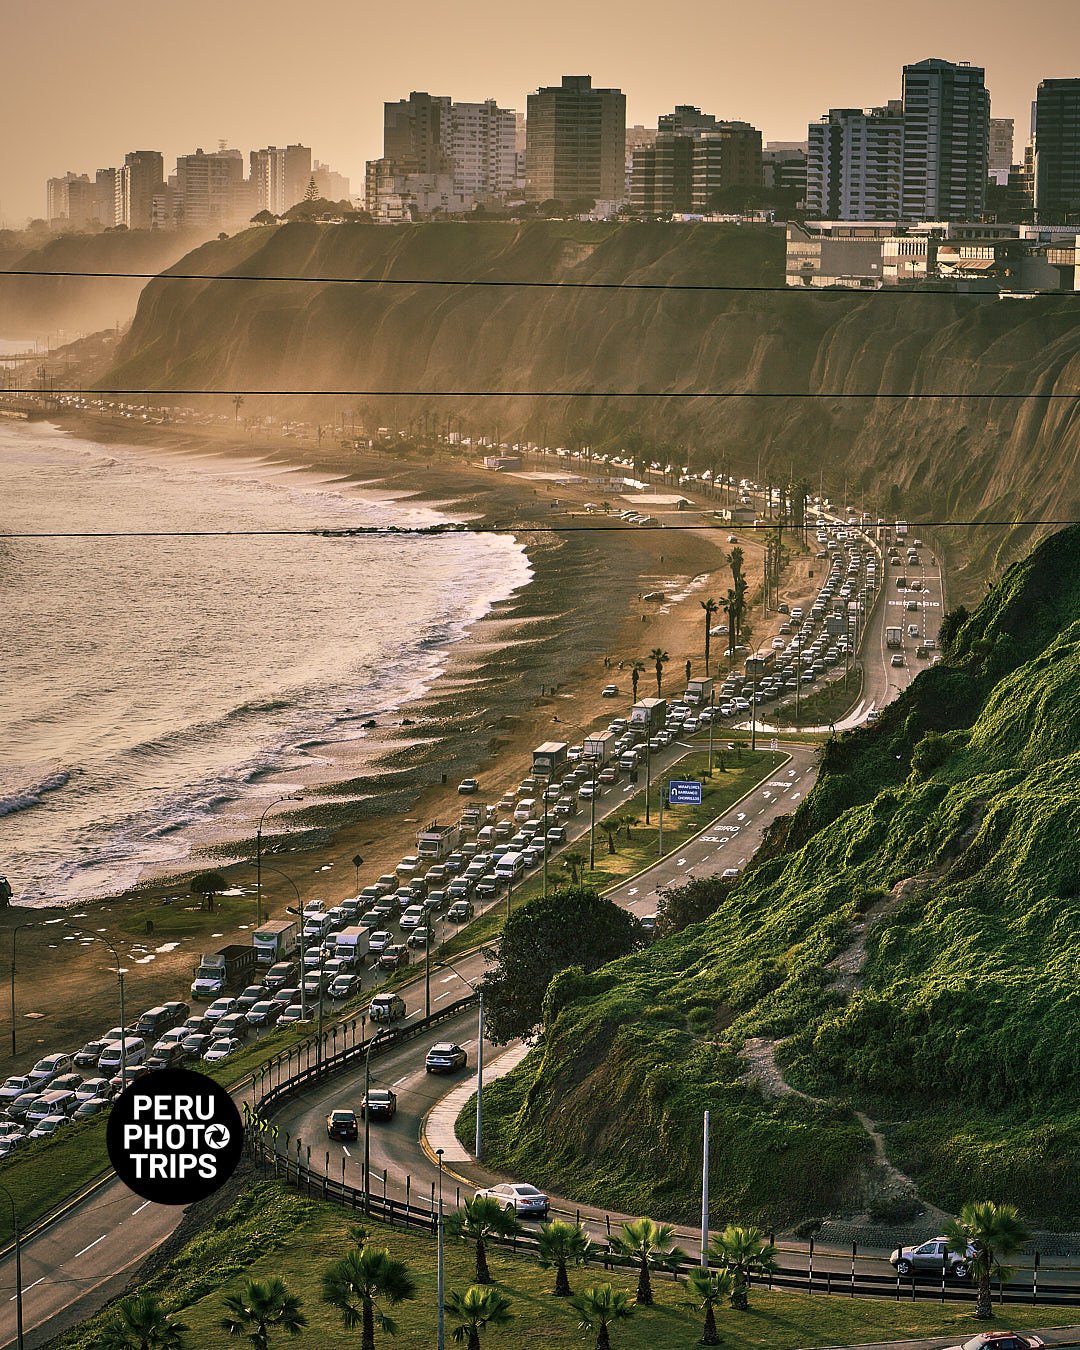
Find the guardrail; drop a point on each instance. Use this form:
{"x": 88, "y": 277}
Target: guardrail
{"x": 290, "y": 1160}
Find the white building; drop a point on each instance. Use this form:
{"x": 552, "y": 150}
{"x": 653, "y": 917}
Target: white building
{"x": 482, "y": 140}
{"x": 280, "y": 176}
{"x": 854, "y": 164}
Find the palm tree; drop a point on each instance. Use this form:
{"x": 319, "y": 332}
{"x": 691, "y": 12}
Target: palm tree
{"x": 562, "y": 1244}
{"x": 476, "y": 1221}
{"x": 260, "y": 1305}
{"x": 710, "y": 1288}
{"x": 994, "y": 1232}
{"x": 731, "y": 610}
{"x": 611, "y": 825}
{"x": 355, "y": 1285}
{"x": 139, "y": 1322}
{"x": 710, "y": 607}
{"x": 743, "y": 1251}
{"x": 628, "y": 821}
{"x": 573, "y": 862}
{"x": 649, "y": 1244}
{"x": 636, "y": 667}
{"x": 598, "y": 1307}
{"x": 476, "y": 1309}
{"x": 659, "y": 658}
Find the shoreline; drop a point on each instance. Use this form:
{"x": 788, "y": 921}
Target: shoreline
{"x": 530, "y": 668}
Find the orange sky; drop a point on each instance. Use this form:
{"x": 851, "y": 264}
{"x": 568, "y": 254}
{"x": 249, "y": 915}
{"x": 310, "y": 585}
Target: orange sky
{"x": 82, "y": 81}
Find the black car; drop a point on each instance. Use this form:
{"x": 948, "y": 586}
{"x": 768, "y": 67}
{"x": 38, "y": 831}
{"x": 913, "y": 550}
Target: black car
{"x": 341, "y": 1124}
{"x": 379, "y": 1104}
{"x": 445, "y": 1057}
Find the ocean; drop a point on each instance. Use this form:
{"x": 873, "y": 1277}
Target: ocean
{"x": 159, "y": 692}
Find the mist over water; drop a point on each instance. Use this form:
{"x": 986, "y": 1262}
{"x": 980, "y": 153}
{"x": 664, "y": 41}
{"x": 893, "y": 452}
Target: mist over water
{"x": 158, "y": 692}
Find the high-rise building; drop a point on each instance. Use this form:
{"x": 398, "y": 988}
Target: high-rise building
{"x": 725, "y": 156}
{"x": 108, "y": 198}
{"x": 783, "y": 167}
{"x": 576, "y": 142}
{"x": 279, "y": 176}
{"x": 70, "y": 201}
{"x": 662, "y": 176}
{"x": 1000, "y": 156}
{"x": 481, "y": 139}
{"x": 141, "y": 178}
{"x": 333, "y": 187}
{"x": 693, "y": 157}
{"x": 946, "y": 141}
{"x": 854, "y": 164}
{"x": 416, "y": 134}
{"x": 1057, "y": 152}
{"x": 211, "y": 190}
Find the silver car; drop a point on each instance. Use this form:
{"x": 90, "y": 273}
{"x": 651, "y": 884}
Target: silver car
{"x": 524, "y": 1201}
{"x": 933, "y": 1256}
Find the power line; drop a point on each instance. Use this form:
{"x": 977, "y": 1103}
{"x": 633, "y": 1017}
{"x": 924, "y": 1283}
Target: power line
{"x": 756, "y": 394}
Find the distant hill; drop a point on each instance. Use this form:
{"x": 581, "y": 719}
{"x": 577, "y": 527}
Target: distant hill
{"x": 906, "y": 945}
{"x": 965, "y": 458}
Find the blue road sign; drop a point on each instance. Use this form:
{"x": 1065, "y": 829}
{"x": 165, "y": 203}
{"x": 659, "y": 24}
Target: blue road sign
{"x": 684, "y": 792}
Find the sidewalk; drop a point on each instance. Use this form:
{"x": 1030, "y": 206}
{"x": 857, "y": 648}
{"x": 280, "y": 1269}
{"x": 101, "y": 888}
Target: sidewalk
{"x": 437, "y": 1127}
{"x": 1057, "y": 1336}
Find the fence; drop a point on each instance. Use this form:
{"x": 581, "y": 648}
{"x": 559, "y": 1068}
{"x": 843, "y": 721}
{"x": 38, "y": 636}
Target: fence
{"x": 279, "y": 1154}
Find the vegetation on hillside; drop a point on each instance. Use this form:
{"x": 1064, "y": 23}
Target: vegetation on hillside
{"x": 907, "y": 944}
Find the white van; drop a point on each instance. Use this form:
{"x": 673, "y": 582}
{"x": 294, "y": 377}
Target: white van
{"x": 486, "y": 838}
{"x": 509, "y": 867}
{"x": 134, "y": 1052}
{"x": 525, "y": 808}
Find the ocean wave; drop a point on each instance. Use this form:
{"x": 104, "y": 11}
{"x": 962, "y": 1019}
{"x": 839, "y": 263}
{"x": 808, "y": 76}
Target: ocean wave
{"x": 23, "y": 801}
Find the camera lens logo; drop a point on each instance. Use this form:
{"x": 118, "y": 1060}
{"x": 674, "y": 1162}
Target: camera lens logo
{"x": 174, "y": 1136}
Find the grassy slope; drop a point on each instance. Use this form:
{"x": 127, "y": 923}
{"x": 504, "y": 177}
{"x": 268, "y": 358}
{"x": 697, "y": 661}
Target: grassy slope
{"x": 963, "y": 1036}
{"x": 273, "y": 1232}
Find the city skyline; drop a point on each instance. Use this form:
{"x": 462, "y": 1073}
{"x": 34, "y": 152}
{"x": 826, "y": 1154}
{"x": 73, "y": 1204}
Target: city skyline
{"x": 333, "y": 97}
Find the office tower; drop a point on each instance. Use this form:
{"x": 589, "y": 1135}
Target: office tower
{"x": 279, "y": 176}
{"x": 946, "y": 141}
{"x": 576, "y": 142}
{"x": 854, "y": 164}
{"x": 1057, "y": 152}
{"x": 1000, "y": 156}
{"x": 141, "y": 178}
{"x": 211, "y": 190}
{"x": 70, "y": 201}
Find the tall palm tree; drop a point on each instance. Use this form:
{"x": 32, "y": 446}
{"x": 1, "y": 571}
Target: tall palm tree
{"x": 356, "y": 1285}
{"x": 479, "y": 1219}
{"x": 139, "y": 1322}
{"x": 561, "y": 1245}
{"x": 476, "y": 1309}
{"x": 628, "y": 820}
{"x": 598, "y": 1307}
{"x": 636, "y": 667}
{"x": 994, "y": 1232}
{"x": 743, "y": 1251}
{"x": 260, "y": 1305}
{"x": 731, "y": 610}
{"x": 659, "y": 658}
{"x": 611, "y": 825}
{"x": 652, "y": 1246}
{"x": 709, "y": 1288}
{"x": 573, "y": 862}
{"x": 710, "y": 607}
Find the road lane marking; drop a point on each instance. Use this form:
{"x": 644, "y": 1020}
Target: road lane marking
{"x": 26, "y": 1288}
{"x": 632, "y": 891}
{"x": 346, "y": 1151}
{"x": 140, "y": 1209}
{"x": 397, "y": 1081}
{"x": 448, "y": 978}
{"x": 92, "y": 1244}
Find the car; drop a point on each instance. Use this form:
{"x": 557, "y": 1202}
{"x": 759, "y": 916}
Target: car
{"x": 92, "y": 1087}
{"x": 609, "y": 691}
{"x": 66, "y": 1082}
{"x": 18, "y": 1108}
{"x": 253, "y": 994}
{"x": 729, "y": 874}
{"x": 222, "y": 1007}
{"x": 314, "y": 986}
{"x": 235, "y": 1025}
{"x": 196, "y": 1043}
{"x": 647, "y": 923}
{"x": 343, "y": 986}
{"x": 461, "y": 911}
{"x": 45, "y": 1070}
{"x": 393, "y": 958}
{"x": 196, "y": 1025}
{"x": 264, "y": 1013}
{"x": 1001, "y": 1340}
{"x": 587, "y": 791}
{"x": 459, "y": 888}
{"x": 341, "y": 1123}
{"x": 379, "y": 941}
{"x": 168, "y": 1056}
{"x": 468, "y": 786}
{"x": 557, "y": 834}
{"x": 386, "y": 1008}
{"x": 933, "y": 1256}
{"x": 412, "y": 917}
{"x": 608, "y": 774}
{"x": 445, "y": 1057}
{"x": 898, "y": 659}
{"x": 93, "y": 1106}
{"x": 293, "y": 1013}
{"x": 419, "y": 937}
{"x": 48, "y": 1126}
{"x": 379, "y": 1104}
{"x": 51, "y": 1103}
{"x": 221, "y": 1048}
{"x": 434, "y": 901}
{"x": 524, "y": 1201}
{"x": 289, "y": 993}
{"x": 86, "y": 1058}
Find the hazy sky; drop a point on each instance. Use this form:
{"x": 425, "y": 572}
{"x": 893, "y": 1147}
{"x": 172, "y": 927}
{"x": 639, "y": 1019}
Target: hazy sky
{"x": 83, "y": 81}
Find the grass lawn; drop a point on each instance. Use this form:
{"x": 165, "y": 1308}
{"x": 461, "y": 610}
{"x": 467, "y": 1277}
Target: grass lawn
{"x": 297, "y": 1239}
{"x": 44, "y": 1172}
{"x": 825, "y": 705}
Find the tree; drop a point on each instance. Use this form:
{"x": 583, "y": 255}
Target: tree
{"x": 264, "y": 217}
{"x": 572, "y": 926}
{"x": 598, "y": 1307}
{"x": 650, "y": 1245}
{"x": 611, "y": 825}
{"x": 561, "y": 1245}
{"x": 710, "y": 607}
{"x": 139, "y": 1322}
{"x": 636, "y": 667}
{"x": 207, "y": 885}
{"x": 476, "y": 1309}
{"x": 743, "y": 1251}
{"x": 679, "y": 906}
{"x": 482, "y": 1217}
{"x": 574, "y": 862}
{"x": 994, "y": 1232}
{"x": 261, "y": 1305}
{"x": 710, "y": 1288}
{"x": 628, "y": 820}
{"x": 356, "y": 1285}
{"x": 659, "y": 658}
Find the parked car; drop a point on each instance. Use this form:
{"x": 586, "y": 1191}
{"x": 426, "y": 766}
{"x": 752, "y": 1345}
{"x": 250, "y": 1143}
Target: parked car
{"x": 1001, "y": 1340}
{"x": 86, "y": 1058}
{"x": 341, "y": 1124}
{"x": 445, "y": 1057}
{"x": 468, "y": 786}
{"x": 609, "y": 691}
{"x": 48, "y": 1126}
{"x": 93, "y": 1106}
{"x": 379, "y": 1104}
{"x": 933, "y": 1255}
{"x": 45, "y": 1070}
{"x": 169, "y": 1056}
{"x": 525, "y": 1201}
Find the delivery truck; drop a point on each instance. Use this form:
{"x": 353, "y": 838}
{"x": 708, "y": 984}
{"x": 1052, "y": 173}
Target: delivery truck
{"x": 352, "y": 944}
{"x": 217, "y": 972}
{"x": 274, "y": 941}
{"x": 599, "y": 748}
{"x": 549, "y": 760}
{"x": 437, "y": 841}
{"x": 648, "y": 715}
{"x": 698, "y": 692}
{"x": 894, "y": 637}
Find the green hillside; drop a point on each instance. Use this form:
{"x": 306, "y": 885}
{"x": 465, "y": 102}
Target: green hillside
{"x": 907, "y": 945}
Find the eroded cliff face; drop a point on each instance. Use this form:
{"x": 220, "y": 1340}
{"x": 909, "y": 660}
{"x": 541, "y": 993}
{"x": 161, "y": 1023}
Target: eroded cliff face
{"x": 968, "y": 457}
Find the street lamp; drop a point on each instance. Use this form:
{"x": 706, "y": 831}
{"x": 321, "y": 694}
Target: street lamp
{"x": 288, "y": 797}
{"x": 120, "y": 973}
{"x": 440, "y": 1279}
{"x": 379, "y": 1035}
{"x": 28, "y": 924}
{"x": 478, "y": 989}
{"x": 18, "y": 1268}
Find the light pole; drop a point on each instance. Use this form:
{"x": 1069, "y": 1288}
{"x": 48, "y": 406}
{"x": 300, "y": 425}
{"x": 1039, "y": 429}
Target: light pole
{"x": 120, "y": 973}
{"x": 28, "y": 924}
{"x": 440, "y": 1284}
{"x": 479, "y": 991}
{"x": 379, "y": 1035}
{"x": 648, "y": 765}
{"x": 705, "y": 1193}
{"x": 18, "y": 1269}
{"x": 288, "y": 797}
{"x": 712, "y": 719}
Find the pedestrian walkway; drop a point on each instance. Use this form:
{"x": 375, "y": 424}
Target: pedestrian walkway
{"x": 1058, "y": 1336}
{"x": 437, "y": 1130}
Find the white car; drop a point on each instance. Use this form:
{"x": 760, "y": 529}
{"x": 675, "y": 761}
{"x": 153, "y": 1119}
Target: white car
{"x": 221, "y": 1007}
{"x": 524, "y": 1201}
{"x": 729, "y": 874}
{"x": 221, "y": 1049}
{"x": 413, "y": 917}
{"x": 378, "y": 942}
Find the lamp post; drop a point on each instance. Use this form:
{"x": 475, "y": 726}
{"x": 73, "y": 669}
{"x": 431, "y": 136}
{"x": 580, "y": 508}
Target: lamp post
{"x": 440, "y": 1284}
{"x": 478, "y": 1149}
{"x": 379, "y": 1035}
{"x": 288, "y": 797}
{"x": 28, "y": 924}
{"x": 712, "y": 720}
{"x": 120, "y": 973}
{"x": 18, "y": 1269}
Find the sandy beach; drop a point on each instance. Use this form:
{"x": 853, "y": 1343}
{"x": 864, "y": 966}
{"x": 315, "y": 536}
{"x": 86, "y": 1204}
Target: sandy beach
{"x": 531, "y": 670}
